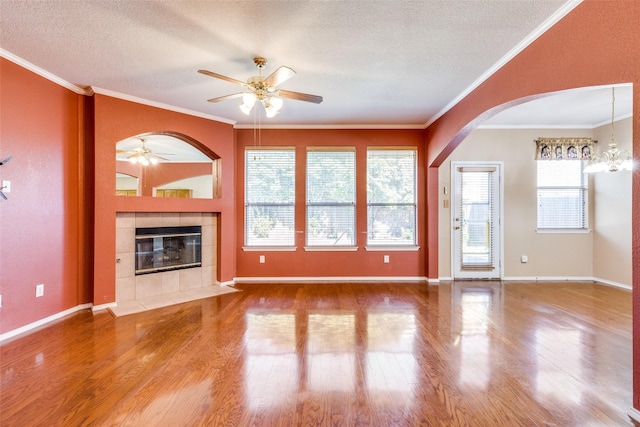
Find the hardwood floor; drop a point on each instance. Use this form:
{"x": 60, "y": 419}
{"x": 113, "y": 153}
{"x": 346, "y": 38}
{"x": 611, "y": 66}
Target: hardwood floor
{"x": 350, "y": 354}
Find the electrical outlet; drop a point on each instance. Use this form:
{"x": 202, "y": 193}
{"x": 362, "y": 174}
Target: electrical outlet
{"x": 0, "y": 301}
{"x": 261, "y": 259}
{"x": 386, "y": 259}
{"x": 39, "y": 290}
{"x": 6, "y": 186}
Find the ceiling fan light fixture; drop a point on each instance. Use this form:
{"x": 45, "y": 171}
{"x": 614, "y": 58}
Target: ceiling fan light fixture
{"x": 249, "y": 99}
{"x": 270, "y": 110}
{"x": 245, "y": 109}
{"x": 276, "y": 103}
{"x": 264, "y": 89}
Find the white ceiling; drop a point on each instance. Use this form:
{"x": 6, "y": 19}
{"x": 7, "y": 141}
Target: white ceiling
{"x": 376, "y": 63}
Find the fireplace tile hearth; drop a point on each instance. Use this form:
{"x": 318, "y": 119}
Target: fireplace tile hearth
{"x": 158, "y": 301}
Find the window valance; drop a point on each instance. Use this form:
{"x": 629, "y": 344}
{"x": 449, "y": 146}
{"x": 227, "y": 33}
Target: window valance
{"x": 565, "y": 148}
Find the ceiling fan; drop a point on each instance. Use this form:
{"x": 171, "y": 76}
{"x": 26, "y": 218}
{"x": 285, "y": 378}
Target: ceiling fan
{"x": 143, "y": 155}
{"x": 264, "y": 89}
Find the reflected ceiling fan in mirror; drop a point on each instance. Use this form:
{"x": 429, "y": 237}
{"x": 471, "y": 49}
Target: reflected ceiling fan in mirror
{"x": 143, "y": 155}
{"x": 263, "y": 89}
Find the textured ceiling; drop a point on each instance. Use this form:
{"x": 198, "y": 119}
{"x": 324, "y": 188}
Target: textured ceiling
{"x": 376, "y": 63}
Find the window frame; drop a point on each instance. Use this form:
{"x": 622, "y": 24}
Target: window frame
{"x": 289, "y": 244}
{"x": 584, "y": 199}
{"x": 309, "y": 245}
{"x": 396, "y": 245}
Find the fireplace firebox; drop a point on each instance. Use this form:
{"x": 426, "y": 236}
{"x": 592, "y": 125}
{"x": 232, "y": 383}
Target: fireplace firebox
{"x": 168, "y": 248}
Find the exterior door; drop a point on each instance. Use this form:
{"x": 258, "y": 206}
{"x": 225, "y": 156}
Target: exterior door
{"x": 476, "y": 220}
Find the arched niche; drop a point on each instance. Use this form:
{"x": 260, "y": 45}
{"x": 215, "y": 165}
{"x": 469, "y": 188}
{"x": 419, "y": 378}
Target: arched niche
{"x": 166, "y": 164}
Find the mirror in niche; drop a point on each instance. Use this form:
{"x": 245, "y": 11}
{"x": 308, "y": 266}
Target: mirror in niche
{"x": 126, "y": 185}
{"x": 166, "y": 165}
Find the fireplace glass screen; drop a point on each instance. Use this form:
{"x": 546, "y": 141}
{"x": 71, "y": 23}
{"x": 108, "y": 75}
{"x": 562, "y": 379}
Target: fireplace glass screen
{"x": 167, "y": 248}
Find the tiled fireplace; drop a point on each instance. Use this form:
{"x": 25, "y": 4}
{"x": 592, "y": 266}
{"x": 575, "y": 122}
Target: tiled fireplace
{"x": 165, "y": 287}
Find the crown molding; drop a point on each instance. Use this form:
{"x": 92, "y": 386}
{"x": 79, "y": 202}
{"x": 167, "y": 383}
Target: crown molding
{"x": 168, "y": 107}
{"x": 340, "y": 126}
{"x": 44, "y": 73}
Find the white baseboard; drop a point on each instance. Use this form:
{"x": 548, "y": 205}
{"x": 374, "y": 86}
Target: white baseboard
{"x": 634, "y": 414}
{"x": 30, "y": 326}
{"x": 614, "y": 284}
{"x": 330, "y": 279}
{"x": 549, "y": 278}
{"x": 567, "y": 279}
{"x": 103, "y": 306}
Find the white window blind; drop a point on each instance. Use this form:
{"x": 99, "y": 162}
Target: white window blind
{"x": 476, "y": 217}
{"x": 391, "y": 196}
{"x": 562, "y": 195}
{"x": 269, "y": 197}
{"x": 331, "y": 197}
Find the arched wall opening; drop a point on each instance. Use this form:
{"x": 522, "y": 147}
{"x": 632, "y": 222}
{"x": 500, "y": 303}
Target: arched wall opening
{"x": 596, "y": 44}
{"x": 508, "y": 135}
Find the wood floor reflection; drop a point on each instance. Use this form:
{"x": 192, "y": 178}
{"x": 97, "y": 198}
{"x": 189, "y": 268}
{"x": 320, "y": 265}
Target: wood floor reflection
{"x": 349, "y": 354}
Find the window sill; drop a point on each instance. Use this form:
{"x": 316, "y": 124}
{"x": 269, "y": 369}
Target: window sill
{"x": 563, "y": 230}
{"x": 269, "y": 248}
{"x": 388, "y": 248}
{"x": 330, "y": 248}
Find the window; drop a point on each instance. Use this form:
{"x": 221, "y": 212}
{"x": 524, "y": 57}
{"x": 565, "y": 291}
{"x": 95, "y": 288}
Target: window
{"x": 391, "y": 196}
{"x": 331, "y": 197}
{"x": 269, "y": 197}
{"x": 562, "y": 195}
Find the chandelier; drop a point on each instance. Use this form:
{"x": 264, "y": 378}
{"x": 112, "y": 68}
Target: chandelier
{"x": 613, "y": 159}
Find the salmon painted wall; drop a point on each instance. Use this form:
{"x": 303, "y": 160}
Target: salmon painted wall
{"x": 301, "y": 263}
{"x": 43, "y": 224}
{"x": 117, "y": 119}
{"x": 598, "y": 43}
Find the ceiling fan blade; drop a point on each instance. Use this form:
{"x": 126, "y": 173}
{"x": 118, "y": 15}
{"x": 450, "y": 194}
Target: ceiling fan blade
{"x": 226, "y": 97}
{"x": 220, "y": 76}
{"x": 124, "y": 151}
{"x": 160, "y": 157}
{"x": 316, "y": 99}
{"x": 280, "y": 75}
